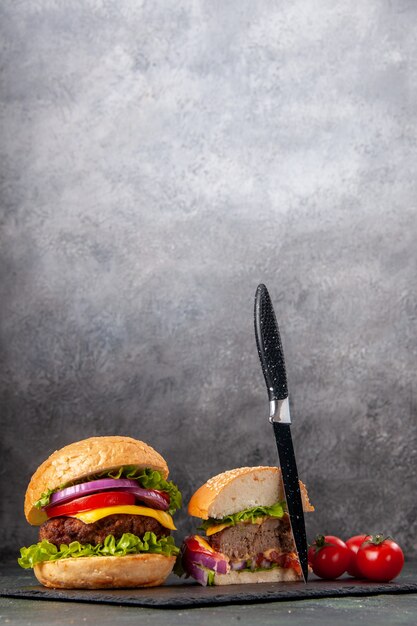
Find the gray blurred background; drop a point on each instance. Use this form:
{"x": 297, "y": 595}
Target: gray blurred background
{"x": 158, "y": 161}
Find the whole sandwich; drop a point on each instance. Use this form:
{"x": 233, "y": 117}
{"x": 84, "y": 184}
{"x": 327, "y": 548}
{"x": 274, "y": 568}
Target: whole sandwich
{"x": 104, "y": 507}
{"x": 248, "y": 537}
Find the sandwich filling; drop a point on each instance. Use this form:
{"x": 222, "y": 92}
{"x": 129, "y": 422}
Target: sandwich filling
{"x": 254, "y": 540}
{"x": 124, "y": 511}
{"x": 261, "y": 545}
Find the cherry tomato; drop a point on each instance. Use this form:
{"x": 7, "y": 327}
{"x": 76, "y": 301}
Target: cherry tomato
{"x": 380, "y": 559}
{"x": 88, "y": 503}
{"x": 329, "y": 557}
{"x": 354, "y": 544}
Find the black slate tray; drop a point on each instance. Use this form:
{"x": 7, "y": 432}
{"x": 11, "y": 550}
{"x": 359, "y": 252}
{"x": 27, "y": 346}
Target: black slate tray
{"x": 177, "y": 594}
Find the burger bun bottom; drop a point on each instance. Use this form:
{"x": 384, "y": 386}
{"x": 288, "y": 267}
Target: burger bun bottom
{"x": 274, "y": 575}
{"x": 105, "y": 572}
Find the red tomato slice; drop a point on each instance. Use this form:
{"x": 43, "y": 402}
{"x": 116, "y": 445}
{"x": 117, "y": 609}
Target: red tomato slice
{"x": 286, "y": 560}
{"x": 195, "y": 543}
{"x": 88, "y": 503}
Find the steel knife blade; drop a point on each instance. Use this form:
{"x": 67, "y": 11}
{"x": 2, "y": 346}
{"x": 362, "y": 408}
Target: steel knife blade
{"x": 271, "y": 355}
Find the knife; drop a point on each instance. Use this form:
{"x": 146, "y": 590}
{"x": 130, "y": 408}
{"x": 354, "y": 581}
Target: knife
{"x": 271, "y": 355}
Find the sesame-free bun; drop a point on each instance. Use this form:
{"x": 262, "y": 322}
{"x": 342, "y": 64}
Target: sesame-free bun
{"x": 105, "y": 572}
{"x": 240, "y": 489}
{"x": 86, "y": 458}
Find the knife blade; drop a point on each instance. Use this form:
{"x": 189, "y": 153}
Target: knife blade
{"x": 271, "y": 355}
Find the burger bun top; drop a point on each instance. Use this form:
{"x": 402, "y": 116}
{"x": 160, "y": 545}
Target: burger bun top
{"x": 85, "y": 458}
{"x": 240, "y": 489}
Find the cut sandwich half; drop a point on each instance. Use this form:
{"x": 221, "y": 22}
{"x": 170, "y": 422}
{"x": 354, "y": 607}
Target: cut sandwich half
{"x": 248, "y": 537}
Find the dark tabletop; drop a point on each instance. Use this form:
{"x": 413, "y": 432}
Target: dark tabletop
{"x": 387, "y": 608}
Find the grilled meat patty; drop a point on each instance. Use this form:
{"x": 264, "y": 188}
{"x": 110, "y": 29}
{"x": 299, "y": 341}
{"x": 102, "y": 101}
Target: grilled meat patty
{"x": 59, "y": 530}
{"x": 246, "y": 540}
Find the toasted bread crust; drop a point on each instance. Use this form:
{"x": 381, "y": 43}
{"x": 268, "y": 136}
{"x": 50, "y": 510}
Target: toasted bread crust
{"x": 105, "y": 572}
{"x": 84, "y": 458}
{"x": 231, "y": 491}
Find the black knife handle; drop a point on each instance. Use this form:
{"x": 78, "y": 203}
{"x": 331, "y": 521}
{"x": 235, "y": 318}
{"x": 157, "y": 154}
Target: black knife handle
{"x": 269, "y": 345}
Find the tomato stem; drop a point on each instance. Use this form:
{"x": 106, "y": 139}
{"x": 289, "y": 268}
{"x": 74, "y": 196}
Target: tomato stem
{"x": 377, "y": 540}
{"x": 319, "y": 543}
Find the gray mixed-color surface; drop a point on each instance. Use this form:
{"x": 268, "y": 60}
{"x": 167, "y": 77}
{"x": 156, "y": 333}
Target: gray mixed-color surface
{"x": 158, "y": 162}
{"x": 374, "y": 611}
{"x": 387, "y": 609}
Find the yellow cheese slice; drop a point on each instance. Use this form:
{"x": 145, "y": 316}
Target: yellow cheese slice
{"x": 212, "y": 530}
{"x": 89, "y": 517}
{"x": 203, "y": 543}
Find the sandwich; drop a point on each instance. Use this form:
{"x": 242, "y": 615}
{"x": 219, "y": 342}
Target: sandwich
{"x": 104, "y": 507}
{"x": 248, "y": 537}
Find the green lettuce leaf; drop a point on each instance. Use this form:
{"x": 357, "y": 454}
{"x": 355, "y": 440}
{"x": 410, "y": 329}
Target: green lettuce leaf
{"x": 127, "y": 544}
{"x": 147, "y": 478}
{"x": 210, "y": 577}
{"x": 248, "y": 515}
{"x": 152, "y": 479}
{"x": 45, "y": 497}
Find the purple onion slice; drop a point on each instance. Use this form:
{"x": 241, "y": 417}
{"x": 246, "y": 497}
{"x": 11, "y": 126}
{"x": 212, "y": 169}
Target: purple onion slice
{"x": 151, "y": 497}
{"x": 197, "y": 572}
{"x": 238, "y": 565}
{"x": 214, "y": 561}
{"x": 197, "y": 562}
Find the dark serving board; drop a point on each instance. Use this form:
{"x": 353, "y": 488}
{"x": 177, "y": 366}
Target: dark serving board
{"x": 178, "y": 594}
